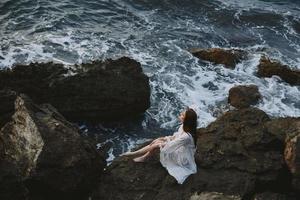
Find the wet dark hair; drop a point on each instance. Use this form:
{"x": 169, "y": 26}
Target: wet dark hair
{"x": 190, "y": 123}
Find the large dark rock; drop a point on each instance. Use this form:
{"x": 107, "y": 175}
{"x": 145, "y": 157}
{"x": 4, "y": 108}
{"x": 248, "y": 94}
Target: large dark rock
{"x": 44, "y": 154}
{"x": 248, "y": 141}
{"x": 243, "y": 96}
{"x": 11, "y": 182}
{"x": 274, "y": 196}
{"x": 296, "y": 26}
{"x": 237, "y": 146}
{"x": 269, "y": 68}
{"x": 229, "y": 58}
{"x": 213, "y": 196}
{"x": 288, "y": 131}
{"x": 107, "y": 90}
{"x": 239, "y": 154}
{"x": 7, "y": 100}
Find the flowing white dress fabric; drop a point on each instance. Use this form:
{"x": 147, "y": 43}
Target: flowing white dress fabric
{"x": 177, "y": 155}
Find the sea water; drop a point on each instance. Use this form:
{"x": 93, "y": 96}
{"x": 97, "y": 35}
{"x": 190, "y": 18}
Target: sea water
{"x": 158, "y": 34}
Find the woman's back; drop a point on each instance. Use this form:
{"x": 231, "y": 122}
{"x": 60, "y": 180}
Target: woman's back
{"x": 177, "y": 155}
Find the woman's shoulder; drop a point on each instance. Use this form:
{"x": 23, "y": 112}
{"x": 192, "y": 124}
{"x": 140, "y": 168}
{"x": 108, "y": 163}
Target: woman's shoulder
{"x": 181, "y": 130}
{"x": 180, "y": 127}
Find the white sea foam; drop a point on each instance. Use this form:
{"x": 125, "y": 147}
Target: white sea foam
{"x": 127, "y": 144}
{"x": 257, "y": 4}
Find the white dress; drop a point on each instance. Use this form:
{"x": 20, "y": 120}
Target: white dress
{"x": 177, "y": 155}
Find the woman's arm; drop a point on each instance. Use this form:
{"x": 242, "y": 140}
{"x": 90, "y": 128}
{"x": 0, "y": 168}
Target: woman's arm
{"x": 166, "y": 138}
{"x": 176, "y": 142}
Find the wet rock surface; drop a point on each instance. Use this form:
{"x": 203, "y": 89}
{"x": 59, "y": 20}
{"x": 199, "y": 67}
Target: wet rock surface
{"x": 269, "y": 68}
{"x": 240, "y": 154}
{"x": 102, "y": 90}
{"x": 7, "y": 99}
{"x": 228, "y": 58}
{"x": 236, "y": 146}
{"x": 244, "y": 154}
{"x": 273, "y": 196}
{"x": 11, "y": 183}
{"x": 296, "y": 26}
{"x": 213, "y": 196}
{"x": 288, "y": 131}
{"x": 44, "y": 157}
{"x": 244, "y": 96}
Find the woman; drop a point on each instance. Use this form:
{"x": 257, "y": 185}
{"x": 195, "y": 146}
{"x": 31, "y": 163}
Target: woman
{"x": 176, "y": 151}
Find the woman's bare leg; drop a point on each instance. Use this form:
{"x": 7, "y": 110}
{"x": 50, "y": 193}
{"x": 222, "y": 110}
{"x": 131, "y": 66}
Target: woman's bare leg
{"x": 148, "y": 153}
{"x": 140, "y": 151}
{"x": 144, "y": 149}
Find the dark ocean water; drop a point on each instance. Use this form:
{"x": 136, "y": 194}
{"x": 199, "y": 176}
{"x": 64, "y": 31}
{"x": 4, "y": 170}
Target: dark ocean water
{"x": 158, "y": 33}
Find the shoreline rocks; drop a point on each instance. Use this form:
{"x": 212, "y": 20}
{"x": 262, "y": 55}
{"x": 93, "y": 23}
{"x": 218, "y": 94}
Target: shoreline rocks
{"x": 243, "y": 96}
{"x": 228, "y": 58}
{"x": 296, "y": 26}
{"x": 231, "y": 57}
{"x": 45, "y": 156}
{"x": 287, "y": 130}
{"x": 273, "y": 196}
{"x": 269, "y": 68}
{"x": 240, "y": 154}
{"x": 7, "y": 100}
{"x": 98, "y": 91}
{"x": 213, "y": 196}
{"x": 244, "y": 154}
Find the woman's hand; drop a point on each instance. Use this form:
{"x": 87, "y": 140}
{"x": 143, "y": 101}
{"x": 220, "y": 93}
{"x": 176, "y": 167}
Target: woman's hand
{"x": 163, "y": 139}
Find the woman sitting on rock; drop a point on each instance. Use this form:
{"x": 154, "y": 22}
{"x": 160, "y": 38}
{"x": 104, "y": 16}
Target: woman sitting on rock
{"x": 176, "y": 151}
